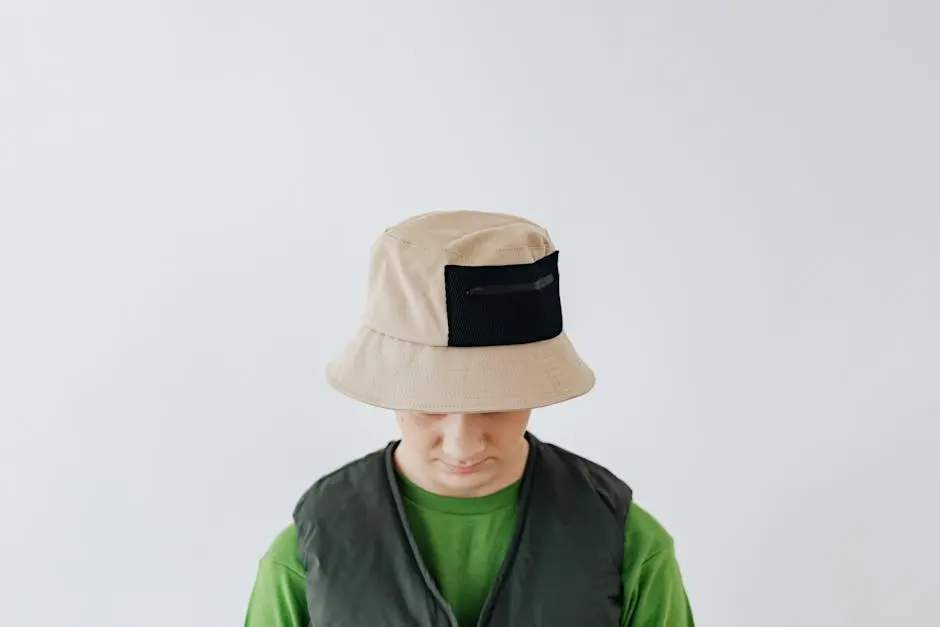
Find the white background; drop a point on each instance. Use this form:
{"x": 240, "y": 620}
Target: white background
{"x": 745, "y": 195}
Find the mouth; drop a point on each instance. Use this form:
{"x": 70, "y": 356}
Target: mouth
{"x": 464, "y": 469}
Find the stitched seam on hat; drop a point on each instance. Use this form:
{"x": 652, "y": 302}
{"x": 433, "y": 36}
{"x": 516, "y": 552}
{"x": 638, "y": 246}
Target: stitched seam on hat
{"x": 553, "y": 370}
{"x": 545, "y": 249}
{"x": 400, "y": 339}
{"x": 405, "y": 242}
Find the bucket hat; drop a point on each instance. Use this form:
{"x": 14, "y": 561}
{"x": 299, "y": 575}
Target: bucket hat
{"x": 463, "y": 314}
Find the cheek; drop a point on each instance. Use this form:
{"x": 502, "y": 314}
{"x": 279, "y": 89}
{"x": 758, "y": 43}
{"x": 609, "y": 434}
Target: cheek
{"x": 512, "y": 433}
{"x": 507, "y": 436}
{"x": 423, "y": 439}
{"x": 432, "y": 441}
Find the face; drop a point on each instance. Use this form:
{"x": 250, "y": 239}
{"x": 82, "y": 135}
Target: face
{"x": 463, "y": 455}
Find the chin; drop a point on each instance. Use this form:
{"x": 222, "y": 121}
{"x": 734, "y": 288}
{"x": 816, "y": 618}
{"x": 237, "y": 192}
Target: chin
{"x": 465, "y": 481}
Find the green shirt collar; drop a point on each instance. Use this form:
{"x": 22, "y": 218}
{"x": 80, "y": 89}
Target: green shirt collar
{"x": 506, "y": 497}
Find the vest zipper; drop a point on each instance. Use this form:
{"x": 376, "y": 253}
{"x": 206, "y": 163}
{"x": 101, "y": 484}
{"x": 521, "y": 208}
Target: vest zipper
{"x": 489, "y": 290}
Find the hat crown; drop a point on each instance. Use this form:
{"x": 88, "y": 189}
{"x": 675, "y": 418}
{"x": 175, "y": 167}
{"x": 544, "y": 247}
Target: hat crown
{"x": 472, "y": 237}
{"x": 406, "y": 291}
{"x": 463, "y": 313}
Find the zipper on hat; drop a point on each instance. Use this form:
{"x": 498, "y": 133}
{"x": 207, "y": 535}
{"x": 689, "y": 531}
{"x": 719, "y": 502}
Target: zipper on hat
{"x": 512, "y": 288}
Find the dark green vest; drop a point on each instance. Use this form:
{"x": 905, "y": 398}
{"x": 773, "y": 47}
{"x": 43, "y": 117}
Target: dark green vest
{"x": 563, "y": 568}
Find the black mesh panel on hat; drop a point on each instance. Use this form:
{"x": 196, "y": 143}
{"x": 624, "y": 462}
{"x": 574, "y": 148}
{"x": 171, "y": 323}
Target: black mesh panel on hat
{"x": 502, "y": 305}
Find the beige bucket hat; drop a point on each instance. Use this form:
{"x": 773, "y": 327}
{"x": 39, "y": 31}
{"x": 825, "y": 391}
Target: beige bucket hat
{"x": 463, "y": 314}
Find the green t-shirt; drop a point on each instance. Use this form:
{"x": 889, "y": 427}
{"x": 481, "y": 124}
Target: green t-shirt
{"x": 463, "y": 542}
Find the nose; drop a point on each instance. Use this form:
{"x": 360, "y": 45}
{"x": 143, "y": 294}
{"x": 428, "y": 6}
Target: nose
{"x": 463, "y": 440}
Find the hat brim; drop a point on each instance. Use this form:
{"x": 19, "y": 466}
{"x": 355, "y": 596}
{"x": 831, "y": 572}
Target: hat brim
{"x": 391, "y": 373}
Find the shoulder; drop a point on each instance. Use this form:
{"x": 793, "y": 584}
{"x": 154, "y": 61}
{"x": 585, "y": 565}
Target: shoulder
{"x": 282, "y": 553}
{"x": 341, "y": 483}
{"x": 645, "y": 537}
{"x": 653, "y": 589}
{"x": 611, "y": 488}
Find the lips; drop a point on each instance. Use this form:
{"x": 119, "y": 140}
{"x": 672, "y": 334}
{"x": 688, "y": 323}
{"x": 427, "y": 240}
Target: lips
{"x": 464, "y": 469}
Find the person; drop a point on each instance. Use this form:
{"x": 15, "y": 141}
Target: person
{"x": 468, "y": 518}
